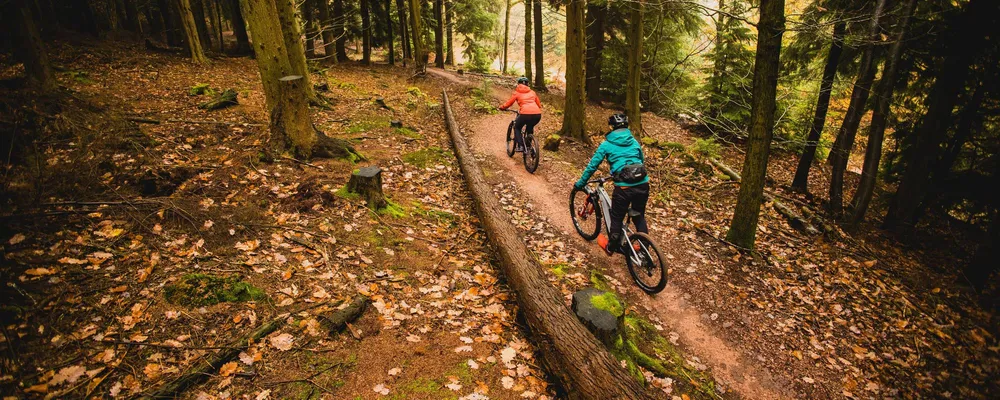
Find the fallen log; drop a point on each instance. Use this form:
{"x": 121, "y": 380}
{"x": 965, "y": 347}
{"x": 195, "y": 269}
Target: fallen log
{"x": 795, "y": 220}
{"x": 333, "y": 322}
{"x": 223, "y": 100}
{"x": 570, "y": 353}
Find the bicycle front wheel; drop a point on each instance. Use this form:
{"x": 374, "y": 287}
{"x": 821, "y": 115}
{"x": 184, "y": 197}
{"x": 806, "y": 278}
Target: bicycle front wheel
{"x": 586, "y": 213}
{"x": 645, "y": 263}
{"x": 510, "y": 139}
{"x": 532, "y": 154}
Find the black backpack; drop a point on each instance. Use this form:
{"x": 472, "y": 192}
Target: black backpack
{"x": 631, "y": 173}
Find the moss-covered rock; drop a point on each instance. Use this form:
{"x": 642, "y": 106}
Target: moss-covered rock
{"x": 196, "y": 290}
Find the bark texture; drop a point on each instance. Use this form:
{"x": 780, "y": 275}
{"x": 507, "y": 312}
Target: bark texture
{"x": 403, "y": 35}
{"x": 633, "y": 108}
{"x": 439, "y": 33}
{"x": 880, "y": 118}
{"x": 527, "y": 39}
{"x": 388, "y": 32}
{"x": 326, "y": 31}
{"x": 191, "y": 31}
{"x": 239, "y": 29}
{"x": 572, "y": 354}
{"x": 292, "y": 35}
{"x": 28, "y": 47}
{"x": 539, "y": 55}
{"x": 449, "y": 16}
{"x": 743, "y": 230}
{"x": 842, "y": 146}
{"x": 595, "y": 45}
{"x": 338, "y": 30}
{"x": 419, "y": 55}
{"x": 366, "y": 33}
{"x": 573, "y": 112}
{"x": 801, "y": 180}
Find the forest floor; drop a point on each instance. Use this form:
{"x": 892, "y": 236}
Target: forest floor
{"x": 110, "y": 215}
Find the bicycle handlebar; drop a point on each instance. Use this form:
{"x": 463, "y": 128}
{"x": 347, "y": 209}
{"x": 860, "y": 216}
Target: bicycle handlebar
{"x": 599, "y": 181}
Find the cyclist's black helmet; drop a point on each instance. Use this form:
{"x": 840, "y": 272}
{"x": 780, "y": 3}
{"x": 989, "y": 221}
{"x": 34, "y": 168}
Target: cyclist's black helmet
{"x": 522, "y": 81}
{"x": 618, "y": 121}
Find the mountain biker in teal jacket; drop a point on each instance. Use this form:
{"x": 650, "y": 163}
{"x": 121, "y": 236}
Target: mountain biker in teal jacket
{"x": 624, "y": 154}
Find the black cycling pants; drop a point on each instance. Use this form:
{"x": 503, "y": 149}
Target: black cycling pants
{"x": 623, "y": 198}
{"x": 528, "y": 121}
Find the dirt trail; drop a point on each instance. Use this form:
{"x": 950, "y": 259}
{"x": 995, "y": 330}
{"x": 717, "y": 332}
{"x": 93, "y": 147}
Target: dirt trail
{"x": 548, "y": 191}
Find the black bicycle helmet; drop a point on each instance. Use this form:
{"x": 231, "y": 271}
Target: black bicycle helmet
{"x": 618, "y": 121}
{"x": 522, "y": 81}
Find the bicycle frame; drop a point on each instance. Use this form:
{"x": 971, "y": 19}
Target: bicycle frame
{"x": 605, "y": 201}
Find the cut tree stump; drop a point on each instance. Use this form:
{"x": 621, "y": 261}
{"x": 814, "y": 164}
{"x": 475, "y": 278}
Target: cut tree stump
{"x": 223, "y": 100}
{"x": 551, "y": 142}
{"x": 603, "y": 323}
{"x": 367, "y": 182}
{"x": 570, "y": 353}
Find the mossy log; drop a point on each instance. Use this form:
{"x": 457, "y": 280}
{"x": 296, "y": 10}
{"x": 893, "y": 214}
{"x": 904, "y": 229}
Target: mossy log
{"x": 336, "y": 320}
{"x": 576, "y": 359}
{"x": 367, "y": 182}
{"x": 225, "y": 99}
{"x": 551, "y": 142}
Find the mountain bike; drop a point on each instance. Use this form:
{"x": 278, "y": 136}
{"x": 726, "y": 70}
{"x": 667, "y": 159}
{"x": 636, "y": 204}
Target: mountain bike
{"x": 532, "y": 150}
{"x": 590, "y": 207}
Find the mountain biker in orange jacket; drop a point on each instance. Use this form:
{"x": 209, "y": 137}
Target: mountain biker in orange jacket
{"x": 530, "y": 111}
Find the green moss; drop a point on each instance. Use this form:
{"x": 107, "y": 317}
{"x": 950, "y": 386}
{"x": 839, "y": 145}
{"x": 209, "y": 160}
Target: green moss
{"x": 423, "y": 157}
{"x": 608, "y": 302}
{"x": 559, "y": 270}
{"x": 367, "y": 125}
{"x": 648, "y": 141}
{"x": 599, "y": 281}
{"x": 392, "y": 209}
{"x": 415, "y": 92}
{"x": 199, "y": 89}
{"x": 674, "y": 146}
{"x": 555, "y": 136}
{"x": 407, "y": 132}
{"x": 205, "y": 290}
{"x": 438, "y": 216}
{"x": 706, "y": 148}
{"x": 345, "y": 194}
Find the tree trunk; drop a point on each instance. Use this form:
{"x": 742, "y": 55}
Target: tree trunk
{"x": 506, "y": 32}
{"x": 217, "y": 17}
{"x": 132, "y": 17}
{"x": 155, "y": 21}
{"x": 743, "y": 230}
{"x": 969, "y": 39}
{"x": 844, "y": 144}
{"x": 269, "y": 46}
{"x": 719, "y": 67}
{"x": 191, "y": 31}
{"x": 801, "y": 181}
{"x": 539, "y": 55}
{"x": 404, "y": 37}
{"x": 339, "y": 30}
{"x": 449, "y": 57}
{"x": 984, "y": 263}
{"x": 880, "y": 118}
{"x": 419, "y": 56}
{"x": 28, "y": 46}
{"x": 439, "y": 34}
{"x": 573, "y": 112}
{"x": 293, "y": 42}
{"x": 595, "y": 45}
{"x": 577, "y": 360}
{"x": 633, "y": 108}
{"x": 388, "y": 32}
{"x": 239, "y": 28}
{"x": 306, "y": 8}
{"x": 198, "y": 12}
{"x": 326, "y": 31}
{"x": 527, "y": 39}
{"x": 366, "y": 33}
{"x": 171, "y": 23}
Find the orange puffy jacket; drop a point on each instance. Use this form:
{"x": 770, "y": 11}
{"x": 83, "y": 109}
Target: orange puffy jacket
{"x": 526, "y": 99}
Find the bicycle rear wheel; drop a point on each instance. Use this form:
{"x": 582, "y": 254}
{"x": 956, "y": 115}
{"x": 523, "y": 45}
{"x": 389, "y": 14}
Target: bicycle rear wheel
{"x": 510, "y": 139}
{"x": 645, "y": 263}
{"x": 532, "y": 154}
{"x": 586, "y": 214}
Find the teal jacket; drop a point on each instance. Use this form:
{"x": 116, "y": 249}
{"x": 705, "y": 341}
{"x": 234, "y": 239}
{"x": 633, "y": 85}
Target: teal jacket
{"x": 620, "y": 149}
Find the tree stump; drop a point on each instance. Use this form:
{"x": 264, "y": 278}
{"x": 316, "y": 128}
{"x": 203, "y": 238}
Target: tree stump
{"x": 601, "y": 319}
{"x": 551, "y": 142}
{"x": 367, "y": 182}
{"x": 223, "y": 100}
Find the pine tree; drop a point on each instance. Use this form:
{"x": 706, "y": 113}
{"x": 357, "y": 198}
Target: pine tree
{"x": 633, "y": 107}
{"x": 191, "y": 31}
{"x": 539, "y": 50}
{"x": 527, "y": 39}
{"x": 729, "y": 87}
{"x": 28, "y": 46}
